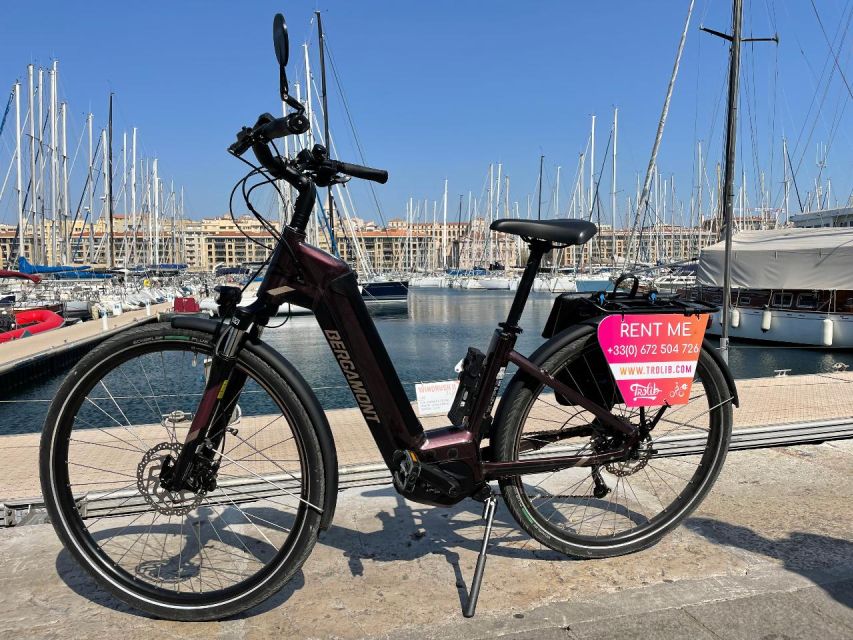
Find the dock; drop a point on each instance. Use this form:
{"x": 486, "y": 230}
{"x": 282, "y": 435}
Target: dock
{"x": 778, "y": 411}
{"x": 24, "y": 360}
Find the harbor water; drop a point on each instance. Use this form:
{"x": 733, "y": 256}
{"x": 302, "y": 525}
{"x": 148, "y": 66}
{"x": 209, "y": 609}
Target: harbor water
{"x": 425, "y": 341}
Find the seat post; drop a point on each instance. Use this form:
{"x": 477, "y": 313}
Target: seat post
{"x": 538, "y": 248}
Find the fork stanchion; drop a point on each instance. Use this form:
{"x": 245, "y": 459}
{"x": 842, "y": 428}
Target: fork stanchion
{"x": 489, "y": 516}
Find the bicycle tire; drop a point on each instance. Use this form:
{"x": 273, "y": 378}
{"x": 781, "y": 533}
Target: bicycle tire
{"x": 558, "y": 356}
{"x": 134, "y": 586}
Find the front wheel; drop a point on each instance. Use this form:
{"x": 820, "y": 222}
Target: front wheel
{"x": 620, "y": 507}
{"x": 120, "y": 415}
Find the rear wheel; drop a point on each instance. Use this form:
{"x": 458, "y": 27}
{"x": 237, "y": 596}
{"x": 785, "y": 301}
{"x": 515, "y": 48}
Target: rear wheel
{"x": 620, "y": 507}
{"x": 120, "y": 414}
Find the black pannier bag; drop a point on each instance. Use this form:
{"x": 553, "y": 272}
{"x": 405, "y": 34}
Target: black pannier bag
{"x": 591, "y": 375}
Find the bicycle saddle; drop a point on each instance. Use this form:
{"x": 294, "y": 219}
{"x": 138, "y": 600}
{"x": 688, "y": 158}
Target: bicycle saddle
{"x": 567, "y": 232}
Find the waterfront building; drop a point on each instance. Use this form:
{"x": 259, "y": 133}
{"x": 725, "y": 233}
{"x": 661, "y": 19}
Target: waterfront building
{"x": 398, "y": 247}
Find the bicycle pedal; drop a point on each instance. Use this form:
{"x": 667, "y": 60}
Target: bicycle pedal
{"x": 407, "y": 470}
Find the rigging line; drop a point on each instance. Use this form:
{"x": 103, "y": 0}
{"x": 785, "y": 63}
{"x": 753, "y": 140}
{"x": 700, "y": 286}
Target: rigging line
{"x": 644, "y": 197}
{"x": 837, "y": 117}
{"x": 775, "y": 97}
{"x": 6, "y": 112}
{"x": 352, "y": 125}
{"x": 818, "y": 115}
{"x": 843, "y": 35}
{"x": 752, "y": 112}
{"x": 831, "y": 49}
{"x": 596, "y": 201}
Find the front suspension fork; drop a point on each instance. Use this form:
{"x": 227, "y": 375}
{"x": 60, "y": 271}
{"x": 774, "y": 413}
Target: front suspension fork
{"x": 224, "y": 385}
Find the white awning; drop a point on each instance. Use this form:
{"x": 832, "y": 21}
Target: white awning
{"x": 783, "y": 259}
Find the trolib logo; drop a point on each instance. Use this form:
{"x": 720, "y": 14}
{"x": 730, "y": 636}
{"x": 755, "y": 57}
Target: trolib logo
{"x": 648, "y": 391}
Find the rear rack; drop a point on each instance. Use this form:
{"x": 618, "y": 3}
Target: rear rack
{"x": 574, "y": 308}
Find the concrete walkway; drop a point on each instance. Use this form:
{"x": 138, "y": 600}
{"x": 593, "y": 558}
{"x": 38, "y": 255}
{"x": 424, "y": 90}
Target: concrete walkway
{"x": 768, "y": 555}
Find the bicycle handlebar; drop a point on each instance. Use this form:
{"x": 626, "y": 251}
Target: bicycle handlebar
{"x": 309, "y": 169}
{"x": 267, "y": 129}
{"x": 360, "y": 171}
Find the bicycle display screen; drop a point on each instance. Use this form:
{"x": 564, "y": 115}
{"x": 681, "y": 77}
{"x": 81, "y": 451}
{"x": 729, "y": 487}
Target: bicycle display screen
{"x": 652, "y": 356}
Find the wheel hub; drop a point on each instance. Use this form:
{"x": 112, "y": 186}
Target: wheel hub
{"x": 637, "y": 460}
{"x": 162, "y": 500}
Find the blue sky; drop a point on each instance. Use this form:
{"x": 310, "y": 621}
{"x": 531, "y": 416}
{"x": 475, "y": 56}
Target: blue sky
{"x": 441, "y": 89}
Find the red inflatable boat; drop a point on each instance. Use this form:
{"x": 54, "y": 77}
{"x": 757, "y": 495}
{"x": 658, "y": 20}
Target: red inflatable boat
{"x": 29, "y": 323}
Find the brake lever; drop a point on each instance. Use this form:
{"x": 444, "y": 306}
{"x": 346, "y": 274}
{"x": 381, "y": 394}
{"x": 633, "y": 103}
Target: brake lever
{"x": 243, "y": 143}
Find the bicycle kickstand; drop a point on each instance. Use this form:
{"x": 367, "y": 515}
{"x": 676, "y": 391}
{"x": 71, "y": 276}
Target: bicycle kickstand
{"x": 488, "y": 516}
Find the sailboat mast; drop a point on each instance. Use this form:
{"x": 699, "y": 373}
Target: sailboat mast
{"x": 32, "y": 161}
{"x": 592, "y": 166}
{"x": 90, "y": 217}
{"x": 19, "y": 175}
{"x": 539, "y": 205}
{"x": 39, "y": 195}
{"x": 133, "y": 191}
{"x": 729, "y": 160}
{"x": 330, "y": 204}
{"x": 156, "y": 228}
{"x": 444, "y": 228}
{"x": 66, "y": 209}
{"x": 109, "y": 192}
{"x": 699, "y": 215}
{"x": 557, "y": 194}
{"x": 613, "y": 190}
{"x": 54, "y": 167}
{"x": 785, "y": 170}
{"x": 124, "y": 241}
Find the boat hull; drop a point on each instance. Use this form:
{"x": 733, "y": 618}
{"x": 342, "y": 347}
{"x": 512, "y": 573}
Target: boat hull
{"x": 790, "y": 327}
{"x": 32, "y": 322}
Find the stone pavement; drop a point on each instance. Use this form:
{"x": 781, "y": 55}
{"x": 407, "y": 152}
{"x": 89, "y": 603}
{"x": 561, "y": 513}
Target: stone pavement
{"x": 768, "y": 555}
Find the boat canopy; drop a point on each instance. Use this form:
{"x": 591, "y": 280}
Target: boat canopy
{"x": 25, "y": 266}
{"x": 783, "y": 259}
{"x": 4, "y": 273}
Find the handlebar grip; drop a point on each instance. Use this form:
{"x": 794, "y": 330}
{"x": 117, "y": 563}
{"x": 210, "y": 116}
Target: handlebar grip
{"x": 291, "y": 124}
{"x": 359, "y": 171}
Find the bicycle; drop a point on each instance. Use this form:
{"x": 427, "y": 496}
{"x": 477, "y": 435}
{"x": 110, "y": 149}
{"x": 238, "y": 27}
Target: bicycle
{"x": 190, "y": 469}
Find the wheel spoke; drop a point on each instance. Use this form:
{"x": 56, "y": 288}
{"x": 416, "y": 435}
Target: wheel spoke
{"x": 645, "y": 491}
{"x": 179, "y": 542}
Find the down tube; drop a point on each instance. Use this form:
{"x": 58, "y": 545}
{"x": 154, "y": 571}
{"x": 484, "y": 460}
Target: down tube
{"x": 361, "y": 354}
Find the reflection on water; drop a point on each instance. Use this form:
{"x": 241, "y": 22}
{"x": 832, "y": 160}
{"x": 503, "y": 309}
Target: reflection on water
{"x": 426, "y": 341}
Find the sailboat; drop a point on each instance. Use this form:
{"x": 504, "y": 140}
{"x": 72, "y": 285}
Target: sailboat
{"x": 62, "y": 272}
{"x": 788, "y": 285}
{"x": 376, "y": 289}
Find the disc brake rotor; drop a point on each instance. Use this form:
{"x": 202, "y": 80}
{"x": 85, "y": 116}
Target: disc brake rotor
{"x": 640, "y": 459}
{"x": 168, "y": 503}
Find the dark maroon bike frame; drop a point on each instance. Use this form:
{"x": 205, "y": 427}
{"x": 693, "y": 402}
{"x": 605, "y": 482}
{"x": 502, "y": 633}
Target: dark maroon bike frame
{"x": 306, "y": 276}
